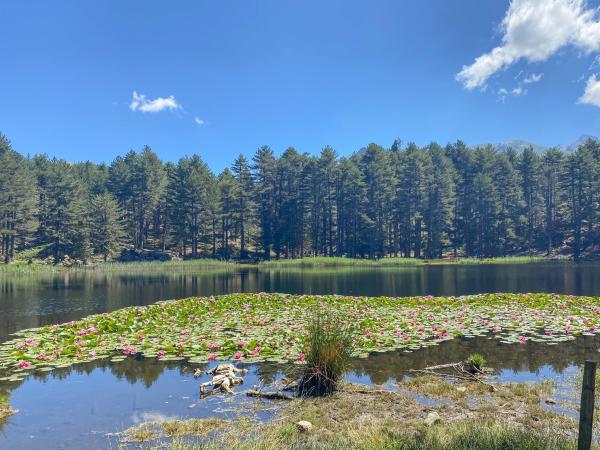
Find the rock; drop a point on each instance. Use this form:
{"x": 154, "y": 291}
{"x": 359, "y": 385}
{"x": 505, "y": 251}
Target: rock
{"x": 432, "y": 418}
{"x": 461, "y": 389}
{"x": 304, "y": 426}
{"x": 550, "y": 401}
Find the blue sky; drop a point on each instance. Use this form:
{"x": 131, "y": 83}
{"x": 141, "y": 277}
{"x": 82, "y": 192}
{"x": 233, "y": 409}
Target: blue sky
{"x": 221, "y": 78}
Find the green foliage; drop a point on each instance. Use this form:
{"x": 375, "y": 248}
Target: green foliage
{"x": 106, "y": 231}
{"x": 276, "y": 327}
{"x": 327, "y": 354}
{"x": 475, "y": 362}
{"x": 323, "y": 261}
{"x": 410, "y": 202}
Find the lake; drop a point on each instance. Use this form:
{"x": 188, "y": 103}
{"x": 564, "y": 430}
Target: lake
{"x": 28, "y": 301}
{"x": 80, "y": 406}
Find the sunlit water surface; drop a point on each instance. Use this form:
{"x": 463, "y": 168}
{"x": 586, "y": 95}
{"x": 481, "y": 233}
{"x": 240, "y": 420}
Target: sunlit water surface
{"x": 81, "y": 406}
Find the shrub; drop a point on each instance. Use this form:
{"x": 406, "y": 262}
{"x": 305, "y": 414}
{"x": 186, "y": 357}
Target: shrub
{"x": 475, "y": 363}
{"x": 327, "y": 355}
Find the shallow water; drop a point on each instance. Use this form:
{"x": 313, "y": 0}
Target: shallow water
{"x": 78, "y": 407}
{"x": 28, "y": 301}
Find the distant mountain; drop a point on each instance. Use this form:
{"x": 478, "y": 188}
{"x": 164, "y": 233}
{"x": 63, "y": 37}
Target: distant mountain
{"x": 575, "y": 145}
{"x": 519, "y": 145}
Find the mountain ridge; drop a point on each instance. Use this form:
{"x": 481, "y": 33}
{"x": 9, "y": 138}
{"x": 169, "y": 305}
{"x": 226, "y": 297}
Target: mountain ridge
{"x": 519, "y": 145}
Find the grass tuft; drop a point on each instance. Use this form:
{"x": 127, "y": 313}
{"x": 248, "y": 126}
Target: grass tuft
{"x": 475, "y": 362}
{"x": 327, "y": 355}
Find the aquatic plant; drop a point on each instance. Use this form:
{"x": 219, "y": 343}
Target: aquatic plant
{"x": 327, "y": 355}
{"x": 274, "y": 327}
{"x": 475, "y": 362}
{"x": 331, "y": 261}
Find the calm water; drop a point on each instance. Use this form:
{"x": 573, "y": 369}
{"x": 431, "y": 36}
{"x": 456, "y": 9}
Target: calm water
{"x": 78, "y": 407}
{"x": 35, "y": 300}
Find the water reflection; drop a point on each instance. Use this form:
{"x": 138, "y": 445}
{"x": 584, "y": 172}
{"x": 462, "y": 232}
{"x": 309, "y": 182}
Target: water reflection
{"x": 34, "y": 300}
{"x": 78, "y": 406}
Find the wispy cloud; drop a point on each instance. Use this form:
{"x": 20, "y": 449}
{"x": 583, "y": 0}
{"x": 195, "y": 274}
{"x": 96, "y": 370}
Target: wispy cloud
{"x": 516, "y": 92}
{"x": 139, "y": 102}
{"x": 591, "y": 95}
{"x": 534, "y": 30}
{"x": 533, "y": 78}
{"x": 198, "y": 120}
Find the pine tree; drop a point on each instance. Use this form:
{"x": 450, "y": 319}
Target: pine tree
{"x": 65, "y": 216}
{"x": 105, "y": 224}
{"x": 243, "y": 207}
{"x": 18, "y": 201}
{"x": 264, "y": 188}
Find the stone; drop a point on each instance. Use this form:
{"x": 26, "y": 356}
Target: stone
{"x": 304, "y": 426}
{"x": 461, "y": 389}
{"x": 432, "y": 418}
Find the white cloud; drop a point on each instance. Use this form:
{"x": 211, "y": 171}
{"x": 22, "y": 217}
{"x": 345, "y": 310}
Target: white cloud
{"x": 534, "y": 30}
{"x": 198, "y": 120}
{"x": 591, "y": 95}
{"x": 139, "y": 102}
{"x": 533, "y": 78}
{"x": 517, "y": 92}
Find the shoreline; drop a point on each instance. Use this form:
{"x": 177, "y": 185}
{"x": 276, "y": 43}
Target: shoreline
{"x": 309, "y": 262}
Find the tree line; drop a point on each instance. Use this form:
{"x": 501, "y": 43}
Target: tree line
{"x": 421, "y": 202}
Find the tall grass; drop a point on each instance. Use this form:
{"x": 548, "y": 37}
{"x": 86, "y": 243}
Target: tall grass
{"x": 503, "y": 260}
{"x": 140, "y": 266}
{"x": 159, "y": 265}
{"x": 327, "y": 355}
{"x": 326, "y": 261}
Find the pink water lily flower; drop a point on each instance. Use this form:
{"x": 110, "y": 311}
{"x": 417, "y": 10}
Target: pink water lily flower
{"x": 212, "y": 357}
{"x": 161, "y": 353}
{"x": 23, "y": 364}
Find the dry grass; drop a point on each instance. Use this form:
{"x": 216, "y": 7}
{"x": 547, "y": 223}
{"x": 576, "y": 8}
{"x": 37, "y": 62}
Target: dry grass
{"x": 365, "y": 418}
{"x": 192, "y": 427}
{"x": 5, "y": 409}
{"x": 150, "y": 431}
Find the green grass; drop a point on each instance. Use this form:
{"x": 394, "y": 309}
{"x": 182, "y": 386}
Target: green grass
{"x": 20, "y": 265}
{"x": 476, "y": 362}
{"x": 324, "y": 261}
{"x": 159, "y": 265}
{"x": 327, "y": 354}
{"x": 503, "y": 260}
{"x": 142, "y": 266}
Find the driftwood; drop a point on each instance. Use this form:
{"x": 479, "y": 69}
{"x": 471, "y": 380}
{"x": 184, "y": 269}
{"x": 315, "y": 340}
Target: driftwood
{"x": 224, "y": 378}
{"x": 456, "y": 371}
{"x": 269, "y": 395}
